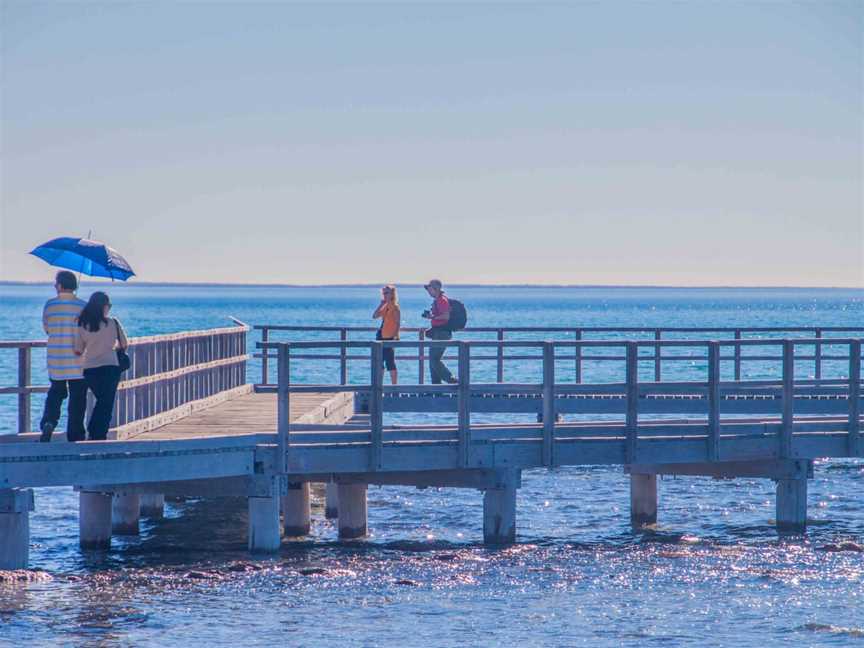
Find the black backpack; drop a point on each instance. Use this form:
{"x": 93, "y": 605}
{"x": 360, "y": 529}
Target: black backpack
{"x": 458, "y": 315}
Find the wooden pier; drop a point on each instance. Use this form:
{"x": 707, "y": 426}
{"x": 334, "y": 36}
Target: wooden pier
{"x": 719, "y": 402}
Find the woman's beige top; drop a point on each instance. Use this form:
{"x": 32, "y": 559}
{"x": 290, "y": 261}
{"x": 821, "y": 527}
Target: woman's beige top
{"x": 98, "y": 349}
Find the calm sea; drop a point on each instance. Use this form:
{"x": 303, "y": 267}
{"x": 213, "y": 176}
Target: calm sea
{"x": 713, "y": 574}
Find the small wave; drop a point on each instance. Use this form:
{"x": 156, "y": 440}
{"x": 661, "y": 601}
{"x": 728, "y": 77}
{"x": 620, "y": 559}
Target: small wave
{"x": 24, "y": 576}
{"x": 832, "y": 629}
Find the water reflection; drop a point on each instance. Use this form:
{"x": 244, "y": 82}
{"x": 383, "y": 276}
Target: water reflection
{"x": 422, "y": 568}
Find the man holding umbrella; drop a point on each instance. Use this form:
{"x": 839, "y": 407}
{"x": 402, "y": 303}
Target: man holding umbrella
{"x": 60, "y": 321}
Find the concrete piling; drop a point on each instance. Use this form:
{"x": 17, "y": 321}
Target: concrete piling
{"x": 352, "y": 511}
{"x": 126, "y": 513}
{"x": 643, "y": 500}
{"x": 15, "y": 507}
{"x": 94, "y": 519}
{"x": 296, "y": 511}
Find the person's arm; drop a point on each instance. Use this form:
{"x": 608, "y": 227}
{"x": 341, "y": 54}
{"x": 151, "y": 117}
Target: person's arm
{"x": 379, "y": 312}
{"x": 45, "y": 319}
{"x": 122, "y": 340}
{"x": 79, "y": 342}
{"x": 398, "y": 321}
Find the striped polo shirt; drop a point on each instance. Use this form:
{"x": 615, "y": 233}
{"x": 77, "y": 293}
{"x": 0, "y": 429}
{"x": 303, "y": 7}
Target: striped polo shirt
{"x": 60, "y": 321}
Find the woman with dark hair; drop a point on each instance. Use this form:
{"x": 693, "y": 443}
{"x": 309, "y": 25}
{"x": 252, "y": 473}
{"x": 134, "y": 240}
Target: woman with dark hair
{"x": 97, "y": 341}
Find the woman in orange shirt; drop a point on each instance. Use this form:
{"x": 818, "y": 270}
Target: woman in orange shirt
{"x": 391, "y": 320}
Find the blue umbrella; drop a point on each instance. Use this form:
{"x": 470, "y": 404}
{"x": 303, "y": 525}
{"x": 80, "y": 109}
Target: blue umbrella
{"x": 82, "y": 255}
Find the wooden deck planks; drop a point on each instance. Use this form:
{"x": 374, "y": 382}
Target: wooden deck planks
{"x": 247, "y": 414}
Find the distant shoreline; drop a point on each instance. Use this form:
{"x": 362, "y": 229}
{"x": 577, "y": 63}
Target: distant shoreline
{"x": 182, "y": 284}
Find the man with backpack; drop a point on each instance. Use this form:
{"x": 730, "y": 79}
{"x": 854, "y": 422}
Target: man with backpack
{"x": 446, "y": 316}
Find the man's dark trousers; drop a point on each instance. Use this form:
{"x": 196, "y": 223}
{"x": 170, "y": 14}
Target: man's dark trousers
{"x": 76, "y": 390}
{"x": 438, "y": 371}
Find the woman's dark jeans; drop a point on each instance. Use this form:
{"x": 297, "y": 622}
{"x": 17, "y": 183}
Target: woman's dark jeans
{"x": 102, "y": 381}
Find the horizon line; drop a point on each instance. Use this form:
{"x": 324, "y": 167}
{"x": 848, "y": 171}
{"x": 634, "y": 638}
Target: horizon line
{"x": 220, "y": 284}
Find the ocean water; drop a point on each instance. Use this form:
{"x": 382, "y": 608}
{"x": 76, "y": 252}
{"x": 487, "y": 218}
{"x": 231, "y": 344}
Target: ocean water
{"x": 713, "y": 573}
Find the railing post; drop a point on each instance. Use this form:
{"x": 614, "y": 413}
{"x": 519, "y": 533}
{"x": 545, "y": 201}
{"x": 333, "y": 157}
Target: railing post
{"x": 713, "y": 401}
{"x": 265, "y": 337}
{"x": 854, "y": 439}
{"x": 24, "y": 380}
{"x": 343, "y": 358}
{"x": 657, "y": 350}
{"x": 817, "y": 373}
{"x": 464, "y": 403}
{"x": 788, "y": 399}
{"x": 283, "y": 406}
{"x": 737, "y": 356}
{"x": 632, "y": 417}
{"x": 577, "y": 334}
{"x": 548, "y": 404}
{"x": 376, "y": 403}
{"x": 421, "y": 364}
{"x": 500, "y": 371}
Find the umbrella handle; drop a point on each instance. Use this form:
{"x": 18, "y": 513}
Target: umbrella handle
{"x": 89, "y": 234}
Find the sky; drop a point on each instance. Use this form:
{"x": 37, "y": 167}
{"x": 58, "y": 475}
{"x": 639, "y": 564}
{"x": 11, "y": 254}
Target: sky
{"x": 626, "y": 143}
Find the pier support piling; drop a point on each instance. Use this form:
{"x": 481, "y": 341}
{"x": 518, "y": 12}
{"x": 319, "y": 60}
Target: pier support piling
{"x": 153, "y": 505}
{"x": 643, "y": 500}
{"x": 352, "y": 511}
{"x": 296, "y": 512}
{"x": 94, "y": 520}
{"x": 791, "y": 505}
{"x": 331, "y": 501}
{"x": 264, "y": 536}
{"x": 126, "y": 513}
{"x": 499, "y": 515}
{"x": 15, "y": 507}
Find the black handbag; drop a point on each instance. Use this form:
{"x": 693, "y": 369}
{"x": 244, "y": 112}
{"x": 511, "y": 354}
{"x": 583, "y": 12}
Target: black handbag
{"x": 123, "y": 360}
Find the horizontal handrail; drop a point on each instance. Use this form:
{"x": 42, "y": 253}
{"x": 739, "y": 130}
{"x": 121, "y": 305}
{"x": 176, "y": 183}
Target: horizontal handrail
{"x": 538, "y": 344}
{"x": 618, "y": 358}
{"x": 22, "y": 344}
{"x": 747, "y": 387}
{"x": 600, "y": 336}
{"x": 171, "y": 337}
{"x": 565, "y": 329}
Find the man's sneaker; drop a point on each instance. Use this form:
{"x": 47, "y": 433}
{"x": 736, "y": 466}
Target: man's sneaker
{"x": 47, "y": 431}
{"x": 453, "y": 381}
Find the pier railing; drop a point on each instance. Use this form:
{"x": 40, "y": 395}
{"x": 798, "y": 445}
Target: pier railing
{"x": 167, "y": 371}
{"x": 820, "y": 337}
{"x": 837, "y": 401}
{"x": 25, "y": 376}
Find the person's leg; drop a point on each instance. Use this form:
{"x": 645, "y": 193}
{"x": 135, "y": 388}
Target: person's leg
{"x": 51, "y": 414}
{"x": 443, "y": 371}
{"x": 92, "y": 378}
{"x": 438, "y": 370}
{"x": 390, "y": 363}
{"x": 435, "y": 363}
{"x": 76, "y": 410}
{"x": 103, "y": 382}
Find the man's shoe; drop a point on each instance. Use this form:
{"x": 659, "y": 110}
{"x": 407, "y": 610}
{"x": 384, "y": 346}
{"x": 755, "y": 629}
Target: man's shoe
{"x": 452, "y": 381}
{"x": 47, "y": 431}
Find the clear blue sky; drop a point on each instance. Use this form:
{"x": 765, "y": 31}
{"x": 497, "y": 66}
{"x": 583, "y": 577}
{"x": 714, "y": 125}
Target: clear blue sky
{"x": 687, "y": 143}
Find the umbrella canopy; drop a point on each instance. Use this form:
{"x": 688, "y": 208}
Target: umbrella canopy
{"x": 82, "y": 255}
